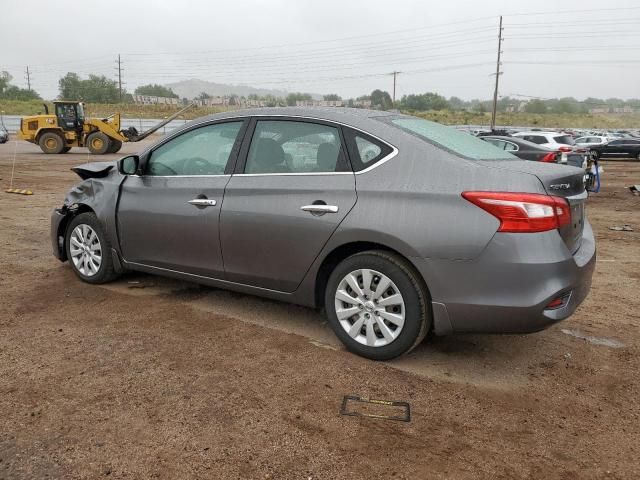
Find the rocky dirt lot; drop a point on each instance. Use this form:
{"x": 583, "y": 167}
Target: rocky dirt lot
{"x": 152, "y": 378}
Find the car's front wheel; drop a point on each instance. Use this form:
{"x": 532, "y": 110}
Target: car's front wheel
{"x": 89, "y": 250}
{"x": 377, "y": 305}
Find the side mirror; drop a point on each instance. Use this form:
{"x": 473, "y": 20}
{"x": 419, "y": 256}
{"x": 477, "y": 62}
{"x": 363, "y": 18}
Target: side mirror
{"x": 129, "y": 165}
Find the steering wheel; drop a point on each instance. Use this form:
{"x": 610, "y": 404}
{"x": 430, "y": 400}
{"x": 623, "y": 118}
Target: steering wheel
{"x": 196, "y": 166}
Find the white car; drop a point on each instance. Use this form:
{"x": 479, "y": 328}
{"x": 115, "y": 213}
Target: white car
{"x": 560, "y": 142}
{"x": 591, "y": 141}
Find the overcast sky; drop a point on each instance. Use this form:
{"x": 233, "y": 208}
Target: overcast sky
{"x": 332, "y": 46}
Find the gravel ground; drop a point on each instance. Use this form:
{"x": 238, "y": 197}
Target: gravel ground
{"x": 153, "y": 378}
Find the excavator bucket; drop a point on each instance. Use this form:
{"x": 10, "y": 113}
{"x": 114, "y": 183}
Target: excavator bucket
{"x": 133, "y": 136}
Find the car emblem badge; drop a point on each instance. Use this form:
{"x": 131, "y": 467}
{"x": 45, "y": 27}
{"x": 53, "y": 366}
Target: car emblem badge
{"x": 560, "y": 186}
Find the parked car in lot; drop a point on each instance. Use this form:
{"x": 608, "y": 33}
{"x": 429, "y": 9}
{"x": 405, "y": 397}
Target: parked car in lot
{"x": 572, "y": 155}
{"x": 4, "y": 136}
{"x": 524, "y": 149}
{"x": 623, "y": 148}
{"x": 591, "y": 141}
{"x": 438, "y": 231}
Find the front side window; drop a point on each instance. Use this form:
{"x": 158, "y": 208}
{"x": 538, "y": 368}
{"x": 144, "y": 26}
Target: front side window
{"x": 283, "y": 146}
{"x": 202, "y": 151}
{"x": 510, "y": 147}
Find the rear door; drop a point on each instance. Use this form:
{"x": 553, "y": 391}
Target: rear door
{"x": 292, "y": 187}
{"x": 168, "y": 217}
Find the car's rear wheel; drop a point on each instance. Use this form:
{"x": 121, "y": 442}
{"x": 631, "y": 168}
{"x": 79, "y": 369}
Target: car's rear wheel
{"x": 98, "y": 143}
{"x": 377, "y": 305}
{"x": 116, "y": 145}
{"x": 638, "y": 156}
{"x": 89, "y": 250}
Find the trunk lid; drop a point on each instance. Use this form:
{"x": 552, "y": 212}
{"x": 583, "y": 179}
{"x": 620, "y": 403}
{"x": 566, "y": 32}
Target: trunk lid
{"x": 558, "y": 181}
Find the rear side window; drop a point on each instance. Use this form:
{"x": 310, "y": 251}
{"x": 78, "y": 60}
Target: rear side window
{"x": 564, "y": 139}
{"x": 283, "y": 146}
{"x": 364, "y": 150}
{"x": 450, "y": 139}
{"x": 535, "y": 139}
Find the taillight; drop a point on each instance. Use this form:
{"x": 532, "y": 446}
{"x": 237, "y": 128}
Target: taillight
{"x": 523, "y": 212}
{"x": 549, "y": 157}
{"x": 564, "y": 148}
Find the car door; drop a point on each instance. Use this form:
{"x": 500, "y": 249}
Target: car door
{"x": 168, "y": 216}
{"x": 292, "y": 189}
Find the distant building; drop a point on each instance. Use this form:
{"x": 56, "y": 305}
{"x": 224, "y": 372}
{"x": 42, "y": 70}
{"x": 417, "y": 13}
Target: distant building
{"x": 226, "y": 101}
{"x": 598, "y": 110}
{"x": 626, "y": 109}
{"x": 511, "y": 108}
{"x": 319, "y": 103}
{"x": 152, "y": 100}
{"x": 362, "y": 103}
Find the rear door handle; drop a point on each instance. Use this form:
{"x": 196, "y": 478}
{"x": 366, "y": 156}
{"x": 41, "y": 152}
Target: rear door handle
{"x": 202, "y": 202}
{"x": 320, "y": 208}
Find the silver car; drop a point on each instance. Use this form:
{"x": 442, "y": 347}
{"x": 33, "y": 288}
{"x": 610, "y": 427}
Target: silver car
{"x": 394, "y": 225}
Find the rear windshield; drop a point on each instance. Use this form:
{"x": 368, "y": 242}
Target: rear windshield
{"x": 564, "y": 139}
{"x": 450, "y": 139}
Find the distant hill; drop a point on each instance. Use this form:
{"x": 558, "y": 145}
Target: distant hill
{"x": 194, "y": 87}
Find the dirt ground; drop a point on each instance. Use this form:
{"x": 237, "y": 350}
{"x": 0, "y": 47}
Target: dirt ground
{"x": 152, "y": 378}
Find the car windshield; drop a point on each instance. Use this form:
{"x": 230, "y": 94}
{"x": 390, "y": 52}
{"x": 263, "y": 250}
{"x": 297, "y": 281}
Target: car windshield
{"x": 450, "y": 139}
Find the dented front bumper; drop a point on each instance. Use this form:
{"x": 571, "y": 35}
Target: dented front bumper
{"x": 58, "y": 226}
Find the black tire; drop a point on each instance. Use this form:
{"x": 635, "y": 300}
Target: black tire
{"x": 595, "y": 154}
{"x": 105, "y": 272}
{"x": 417, "y": 321}
{"x": 65, "y": 149}
{"x": 116, "y": 145}
{"x": 51, "y": 143}
{"x": 638, "y": 156}
{"x": 98, "y": 143}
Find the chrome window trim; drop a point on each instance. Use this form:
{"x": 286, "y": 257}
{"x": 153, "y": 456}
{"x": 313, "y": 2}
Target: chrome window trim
{"x": 394, "y": 150}
{"x": 181, "y": 176}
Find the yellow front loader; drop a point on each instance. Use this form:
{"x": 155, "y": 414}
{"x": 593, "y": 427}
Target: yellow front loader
{"x": 67, "y": 127}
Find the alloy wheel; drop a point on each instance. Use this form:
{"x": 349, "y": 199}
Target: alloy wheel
{"x": 370, "y": 307}
{"x": 85, "y": 249}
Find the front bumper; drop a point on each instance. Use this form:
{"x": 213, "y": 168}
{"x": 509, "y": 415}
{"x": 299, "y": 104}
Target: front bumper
{"x": 58, "y": 222}
{"x": 508, "y": 287}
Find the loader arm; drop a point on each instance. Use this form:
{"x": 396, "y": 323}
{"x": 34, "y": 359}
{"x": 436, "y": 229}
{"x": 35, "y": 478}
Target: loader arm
{"x": 141, "y": 136}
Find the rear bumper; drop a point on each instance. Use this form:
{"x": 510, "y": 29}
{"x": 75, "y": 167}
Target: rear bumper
{"x": 508, "y": 287}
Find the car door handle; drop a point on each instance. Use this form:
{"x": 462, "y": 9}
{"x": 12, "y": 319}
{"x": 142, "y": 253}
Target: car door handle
{"x": 202, "y": 202}
{"x": 320, "y": 208}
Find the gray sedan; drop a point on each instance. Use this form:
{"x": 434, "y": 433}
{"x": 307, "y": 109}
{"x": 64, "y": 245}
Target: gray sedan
{"x": 394, "y": 225}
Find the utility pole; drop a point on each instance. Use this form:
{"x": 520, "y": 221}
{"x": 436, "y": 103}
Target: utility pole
{"x": 28, "y": 77}
{"x": 119, "y": 78}
{"x": 498, "y": 73}
{"x": 395, "y": 74}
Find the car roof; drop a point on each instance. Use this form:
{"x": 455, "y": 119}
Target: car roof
{"x": 536, "y": 132}
{"x": 335, "y": 114}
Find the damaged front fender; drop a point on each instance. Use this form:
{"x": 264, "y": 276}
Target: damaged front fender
{"x": 98, "y": 193}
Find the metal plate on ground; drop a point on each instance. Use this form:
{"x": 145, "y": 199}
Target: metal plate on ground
{"x": 352, "y": 406}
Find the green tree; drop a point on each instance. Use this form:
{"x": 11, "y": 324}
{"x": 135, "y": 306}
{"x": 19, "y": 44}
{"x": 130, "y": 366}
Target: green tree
{"x": 11, "y": 92}
{"x": 536, "y": 106}
{"x": 203, "y": 96}
{"x": 381, "y": 100}
{"x": 5, "y": 79}
{"x": 292, "y": 98}
{"x": 95, "y": 89}
{"x": 155, "y": 90}
{"x": 332, "y": 97}
{"x": 14, "y": 93}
